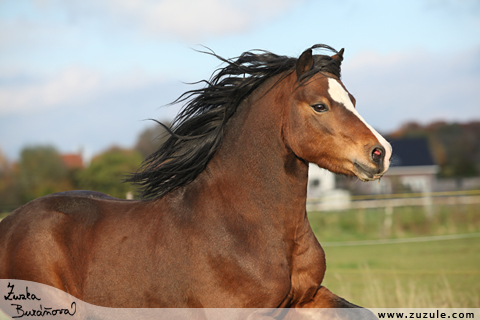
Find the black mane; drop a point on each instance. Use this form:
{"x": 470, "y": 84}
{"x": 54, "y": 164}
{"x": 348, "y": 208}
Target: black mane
{"x": 198, "y": 129}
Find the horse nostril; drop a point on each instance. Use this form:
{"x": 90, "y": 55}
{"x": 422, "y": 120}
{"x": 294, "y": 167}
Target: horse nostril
{"x": 377, "y": 155}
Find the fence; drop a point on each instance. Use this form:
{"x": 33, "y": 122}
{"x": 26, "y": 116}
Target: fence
{"x": 397, "y": 215}
{"x": 344, "y": 202}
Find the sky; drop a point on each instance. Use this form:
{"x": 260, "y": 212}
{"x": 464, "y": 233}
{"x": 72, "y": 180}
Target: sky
{"x": 83, "y": 75}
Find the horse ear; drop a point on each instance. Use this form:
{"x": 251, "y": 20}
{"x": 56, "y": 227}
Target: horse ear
{"x": 304, "y": 63}
{"x": 339, "y": 55}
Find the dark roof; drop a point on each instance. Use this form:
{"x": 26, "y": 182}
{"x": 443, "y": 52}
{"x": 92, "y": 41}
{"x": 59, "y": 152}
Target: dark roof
{"x": 411, "y": 152}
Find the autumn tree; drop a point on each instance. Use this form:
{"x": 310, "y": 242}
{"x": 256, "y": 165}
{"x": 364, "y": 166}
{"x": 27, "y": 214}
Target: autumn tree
{"x": 41, "y": 171}
{"x": 107, "y": 171}
{"x": 151, "y": 139}
{"x": 9, "y": 197}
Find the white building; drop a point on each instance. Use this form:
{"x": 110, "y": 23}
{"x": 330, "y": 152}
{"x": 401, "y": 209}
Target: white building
{"x": 321, "y": 191}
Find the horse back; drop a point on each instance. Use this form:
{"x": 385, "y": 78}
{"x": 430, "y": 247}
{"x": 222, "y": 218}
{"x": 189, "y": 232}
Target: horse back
{"x": 47, "y": 239}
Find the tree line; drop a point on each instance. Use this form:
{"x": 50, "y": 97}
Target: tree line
{"x": 42, "y": 170}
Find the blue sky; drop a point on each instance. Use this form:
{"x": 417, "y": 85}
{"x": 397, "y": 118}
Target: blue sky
{"x": 84, "y": 74}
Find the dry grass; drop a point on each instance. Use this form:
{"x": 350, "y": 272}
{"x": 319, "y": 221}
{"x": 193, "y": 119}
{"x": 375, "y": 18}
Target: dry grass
{"x": 403, "y": 294}
{"x": 443, "y": 274}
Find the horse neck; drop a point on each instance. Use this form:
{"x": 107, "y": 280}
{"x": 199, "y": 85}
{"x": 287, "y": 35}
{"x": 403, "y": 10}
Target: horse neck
{"x": 254, "y": 169}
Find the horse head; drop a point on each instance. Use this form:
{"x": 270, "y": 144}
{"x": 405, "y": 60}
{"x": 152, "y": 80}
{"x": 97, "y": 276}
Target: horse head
{"x": 323, "y": 126}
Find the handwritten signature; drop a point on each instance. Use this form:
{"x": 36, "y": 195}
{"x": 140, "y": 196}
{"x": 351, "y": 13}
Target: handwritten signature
{"x": 38, "y": 312}
{"x": 27, "y": 296}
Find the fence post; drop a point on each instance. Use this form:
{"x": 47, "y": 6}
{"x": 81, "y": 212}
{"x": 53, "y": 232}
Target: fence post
{"x": 388, "y": 221}
{"x": 428, "y": 205}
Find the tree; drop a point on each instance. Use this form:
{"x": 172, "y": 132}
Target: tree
{"x": 107, "y": 170}
{"x": 151, "y": 139}
{"x": 41, "y": 171}
{"x": 9, "y": 197}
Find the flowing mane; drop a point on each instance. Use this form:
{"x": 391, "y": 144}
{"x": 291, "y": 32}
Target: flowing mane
{"x": 198, "y": 129}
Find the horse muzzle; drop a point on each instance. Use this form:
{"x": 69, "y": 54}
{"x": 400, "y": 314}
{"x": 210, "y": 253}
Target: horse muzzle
{"x": 367, "y": 173}
{"x": 376, "y": 167}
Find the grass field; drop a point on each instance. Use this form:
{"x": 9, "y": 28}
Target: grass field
{"x": 430, "y": 274}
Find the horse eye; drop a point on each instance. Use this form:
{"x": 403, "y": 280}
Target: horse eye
{"x": 320, "y": 108}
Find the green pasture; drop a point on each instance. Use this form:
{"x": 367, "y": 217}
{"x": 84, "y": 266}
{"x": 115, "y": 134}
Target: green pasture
{"x": 434, "y": 274}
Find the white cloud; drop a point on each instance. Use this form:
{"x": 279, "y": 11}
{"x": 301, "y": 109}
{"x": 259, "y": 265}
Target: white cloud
{"x": 191, "y": 20}
{"x": 195, "y": 19}
{"x": 69, "y": 87}
{"x": 184, "y": 18}
{"x": 420, "y": 86}
{"x": 42, "y": 95}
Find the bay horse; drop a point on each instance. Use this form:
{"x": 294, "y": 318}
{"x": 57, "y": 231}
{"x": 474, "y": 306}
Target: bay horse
{"x": 222, "y": 222}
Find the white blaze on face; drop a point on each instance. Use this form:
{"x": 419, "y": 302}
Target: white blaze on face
{"x": 340, "y": 95}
